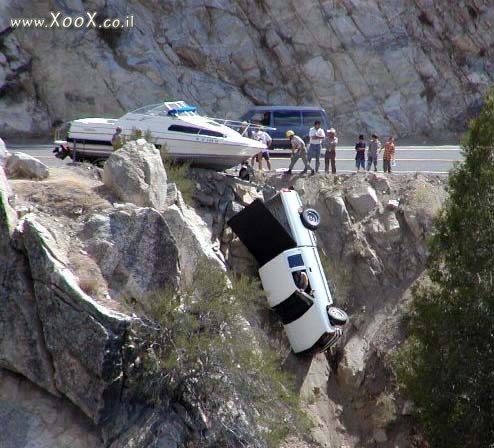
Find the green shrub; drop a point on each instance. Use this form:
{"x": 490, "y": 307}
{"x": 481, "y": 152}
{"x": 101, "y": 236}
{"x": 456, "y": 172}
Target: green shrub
{"x": 208, "y": 357}
{"x": 179, "y": 174}
{"x": 447, "y": 364}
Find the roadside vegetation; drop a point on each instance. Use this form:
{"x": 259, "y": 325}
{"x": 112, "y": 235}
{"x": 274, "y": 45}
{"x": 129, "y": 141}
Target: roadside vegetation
{"x": 447, "y": 364}
{"x": 178, "y": 173}
{"x": 209, "y": 359}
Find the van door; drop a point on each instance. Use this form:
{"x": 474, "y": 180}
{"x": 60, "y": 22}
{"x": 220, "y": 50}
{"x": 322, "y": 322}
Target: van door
{"x": 284, "y": 120}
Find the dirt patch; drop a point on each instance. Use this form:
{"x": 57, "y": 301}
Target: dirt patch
{"x": 65, "y": 193}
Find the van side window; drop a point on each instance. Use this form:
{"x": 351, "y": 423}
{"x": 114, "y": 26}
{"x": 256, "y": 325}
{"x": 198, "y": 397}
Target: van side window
{"x": 310, "y": 117}
{"x": 286, "y": 118}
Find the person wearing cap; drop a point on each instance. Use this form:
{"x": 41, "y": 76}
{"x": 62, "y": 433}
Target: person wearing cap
{"x": 299, "y": 151}
{"x": 117, "y": 140}
{"x": 374, "y": 149}
{"x": 330, "y": 143}
{"x": 316, "y": 136}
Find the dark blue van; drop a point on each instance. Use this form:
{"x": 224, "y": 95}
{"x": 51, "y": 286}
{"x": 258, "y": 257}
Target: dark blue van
{"x": 297, "y": 118}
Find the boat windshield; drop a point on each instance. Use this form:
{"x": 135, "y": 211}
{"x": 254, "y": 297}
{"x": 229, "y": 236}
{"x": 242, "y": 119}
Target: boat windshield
{"x": 167, "y": 108}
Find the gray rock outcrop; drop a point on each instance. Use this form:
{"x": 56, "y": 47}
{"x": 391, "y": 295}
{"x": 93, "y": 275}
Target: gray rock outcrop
{"x": 135, "y": 173}
{"x": 23, "y": 165}
{"x": 135, "y": 250}
{"x": 3, "y": 153}
{"x": 72, "y": 323}
{"x": 403, "y": 67}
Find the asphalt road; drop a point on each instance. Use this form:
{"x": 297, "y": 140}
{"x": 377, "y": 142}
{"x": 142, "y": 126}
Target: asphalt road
{"x": 426, "y": 159}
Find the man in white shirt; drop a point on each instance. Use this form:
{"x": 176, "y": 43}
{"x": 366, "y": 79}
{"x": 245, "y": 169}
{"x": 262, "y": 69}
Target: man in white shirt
{"x": 265, "y": 138}
{"x": 316, "y": 136}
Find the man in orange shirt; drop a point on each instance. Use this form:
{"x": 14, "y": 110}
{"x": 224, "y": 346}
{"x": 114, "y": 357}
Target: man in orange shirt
{"x": 389, "y": 154}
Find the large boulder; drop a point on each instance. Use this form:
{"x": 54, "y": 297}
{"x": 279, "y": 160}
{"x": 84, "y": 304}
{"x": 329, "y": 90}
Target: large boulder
{"x": 421, "y": 206}
{"x": 135, "y": 173}
{"x": 84, "y": 338}
{"x": 18, "y": 316}
{"x": 23, "y": 165}
{"x": 135, "y": 250}
{"x": 363, "y": 200}
{"x": 193, "y": 239}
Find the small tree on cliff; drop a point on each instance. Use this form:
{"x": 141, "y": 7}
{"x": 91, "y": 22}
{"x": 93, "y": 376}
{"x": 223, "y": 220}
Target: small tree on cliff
{"x": 447, "y": 366}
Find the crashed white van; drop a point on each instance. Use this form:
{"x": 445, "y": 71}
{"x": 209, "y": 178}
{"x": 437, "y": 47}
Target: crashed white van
{"x": 279, "y": 233}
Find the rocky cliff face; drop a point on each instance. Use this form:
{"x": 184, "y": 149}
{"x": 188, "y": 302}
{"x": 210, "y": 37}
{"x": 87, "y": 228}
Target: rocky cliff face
{"x": 73, "y": 261}
{"x": 405, "y": 67}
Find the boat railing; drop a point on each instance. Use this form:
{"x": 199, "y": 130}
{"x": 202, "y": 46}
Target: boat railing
{"x": 237, "y": 124}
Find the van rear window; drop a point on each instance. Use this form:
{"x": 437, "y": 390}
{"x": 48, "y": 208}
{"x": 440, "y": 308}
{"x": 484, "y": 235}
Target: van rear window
{"x": 286, "y": 118}
{"x": 295, "y": 260}
{"x": 310, "y": 117}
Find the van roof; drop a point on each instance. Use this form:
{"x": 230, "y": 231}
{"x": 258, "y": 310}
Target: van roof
{"x": 298, "y": 108}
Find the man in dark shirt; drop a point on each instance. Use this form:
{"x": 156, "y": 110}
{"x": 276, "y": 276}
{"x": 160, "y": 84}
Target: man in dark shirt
{"x": 360, "y": 147}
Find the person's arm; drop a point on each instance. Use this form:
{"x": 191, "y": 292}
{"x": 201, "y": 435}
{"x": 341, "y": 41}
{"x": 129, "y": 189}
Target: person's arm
{"x": 320, "y": 134}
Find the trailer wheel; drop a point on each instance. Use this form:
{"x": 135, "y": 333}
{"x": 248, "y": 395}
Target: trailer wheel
{"x": 310, "y": 218}
{"x": 244, "y": 173}
{"x": 337, "y": 316}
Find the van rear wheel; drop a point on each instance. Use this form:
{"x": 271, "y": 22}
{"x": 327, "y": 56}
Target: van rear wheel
{"x": 310, "y": 218}
{"x": 337, "y": 316}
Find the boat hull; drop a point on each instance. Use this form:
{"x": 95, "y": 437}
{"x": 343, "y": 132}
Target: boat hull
{"x": 91, "y": 140}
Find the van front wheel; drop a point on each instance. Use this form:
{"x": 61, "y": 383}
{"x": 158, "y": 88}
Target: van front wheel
{"x": 310, "y": 218}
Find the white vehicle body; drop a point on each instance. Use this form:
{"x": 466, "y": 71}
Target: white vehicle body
{"x": 303, "y": 311}
{"x": 188, "y": 136}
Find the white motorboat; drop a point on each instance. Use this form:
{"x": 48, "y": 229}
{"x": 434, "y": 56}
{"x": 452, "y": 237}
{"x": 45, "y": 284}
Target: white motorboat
{"x": 188, "y": 136}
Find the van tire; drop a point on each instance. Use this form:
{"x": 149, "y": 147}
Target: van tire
{"x": 310, "y": 218}
{"x": 337, "y": 316}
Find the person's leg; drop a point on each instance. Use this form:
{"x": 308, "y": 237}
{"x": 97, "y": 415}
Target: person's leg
{"x": 317, "y": 154}
{"x": 266, "y": 157}
{"x": 333, "y": 163}
{"x": 369, "y": 162}
{"x": 306, "y": 162}
{"x": 293, "y": 161}
{"x": 309, "y": 153}
{"x": 326, "y": 161}
{"x": 375, "y": 163}
{"x": 385, "y": 165}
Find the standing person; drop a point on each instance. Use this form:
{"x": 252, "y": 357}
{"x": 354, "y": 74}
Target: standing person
{"x": 117, "y": 140}
{"x": 299, "y": 151}
{"x": 360, "y": 147}
{"x": 265, "y": 138}
{"x": 374, "y": 149}
{"x": 330, "y": 155}
{"x": 245, "y": 130}
{"x": 389, "y": 154}
{"x": 316, "y": 136}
